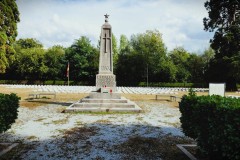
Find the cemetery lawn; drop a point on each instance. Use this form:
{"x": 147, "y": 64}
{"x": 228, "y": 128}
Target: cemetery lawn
{"x": 44, "y": 132}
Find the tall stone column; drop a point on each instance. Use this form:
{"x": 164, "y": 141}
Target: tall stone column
{"x": 105, "y": 98}
{"x": 105, "y": 79}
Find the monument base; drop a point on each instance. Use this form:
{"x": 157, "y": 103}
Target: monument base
{"x": 106, "y": 82}
{"x": 104, "y": 102}
{"x": 97, "y": 95}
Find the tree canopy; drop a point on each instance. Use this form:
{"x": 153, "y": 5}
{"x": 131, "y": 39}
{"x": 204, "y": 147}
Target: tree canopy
{"x": 141, "y": 58}
{"x": 9, "y": 16}
{"x": 83, "y": 59}
{"x": 224, "y": 19}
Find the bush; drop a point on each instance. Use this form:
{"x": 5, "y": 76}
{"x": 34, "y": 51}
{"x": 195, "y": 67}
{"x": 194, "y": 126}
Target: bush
{"x": 9, "y": 104}
{"x": 214, "y": 122}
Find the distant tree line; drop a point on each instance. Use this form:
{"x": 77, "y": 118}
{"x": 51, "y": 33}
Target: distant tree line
{"x": 33, "y": 62}
{"x": 144, "y": 57}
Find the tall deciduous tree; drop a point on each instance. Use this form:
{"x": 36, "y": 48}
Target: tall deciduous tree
{"x": 29, "y": 43}
{"x": 9, "y": 16}
{"x": 29, "y": 62}
{"x": 195, "y": 66}
{"x": 179, "y": 57}
{"x": 224, "y": 19}
{"x": 151, "y": 51}
{"x": 124, "y": 43}
{"x": 83, "y": 59}
{"x": 208, "y": 54}
{"x": 115, "y": 50}
{"x": 141, "y": 58}
{"x": 54, "y": 59}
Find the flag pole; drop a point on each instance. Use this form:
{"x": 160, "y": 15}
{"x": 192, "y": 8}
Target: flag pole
{"x": 68, "y": 72}
{"x": 68, "y": 79}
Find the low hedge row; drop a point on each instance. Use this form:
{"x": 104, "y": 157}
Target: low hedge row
{"x": 214, "y": 122}
{"x": 9, "y": 104}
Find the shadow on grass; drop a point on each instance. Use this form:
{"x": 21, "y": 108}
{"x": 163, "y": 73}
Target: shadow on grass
{"x": 100, "y": 140}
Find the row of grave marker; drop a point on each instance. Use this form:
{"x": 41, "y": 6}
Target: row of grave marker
{"x": 88, "y": 89}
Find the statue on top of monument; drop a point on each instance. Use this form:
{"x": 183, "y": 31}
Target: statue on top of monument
{"x": 106, "y": 17}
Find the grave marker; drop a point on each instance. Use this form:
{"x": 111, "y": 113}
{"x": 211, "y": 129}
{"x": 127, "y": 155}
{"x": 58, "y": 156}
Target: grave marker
{"x": 217, "y": 89}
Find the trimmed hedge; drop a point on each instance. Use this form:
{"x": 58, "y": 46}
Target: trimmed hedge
{"x": 9, "y": 104}
{"x": 214, "y": 121}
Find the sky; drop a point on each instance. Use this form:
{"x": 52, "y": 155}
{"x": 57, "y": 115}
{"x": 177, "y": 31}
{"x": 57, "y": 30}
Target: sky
{"x": 61, "y": 22}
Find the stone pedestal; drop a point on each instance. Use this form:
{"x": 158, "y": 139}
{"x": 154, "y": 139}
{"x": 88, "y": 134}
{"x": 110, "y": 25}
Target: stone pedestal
{"x": 104, "y": 95}
{"x": 106, "y": 82}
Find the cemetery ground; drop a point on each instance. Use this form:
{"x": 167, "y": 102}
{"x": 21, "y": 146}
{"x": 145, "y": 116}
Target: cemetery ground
{"x": 42, "y": 131}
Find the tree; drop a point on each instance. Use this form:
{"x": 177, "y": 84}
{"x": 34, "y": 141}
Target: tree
{"x": 166, "y": 71}
{"x": 9, "y": 16}
{"x": 30, "y": 64}
{"x": 124, "y": 43}
{"x": 29, "y": 61}
{"x": 83, "y": 59}
{"x": 224, "y": 19}
{"x": 54, "y": 59}
{"x": 29, "y": 43}
{"x": 179, "y": 57}
{"x": 151, "y": 50}
{"x": 208, "y": 54}
{"x": 115, "y": 50}
{"x": 195, "y": 66}
{"x": 140, "y": 58}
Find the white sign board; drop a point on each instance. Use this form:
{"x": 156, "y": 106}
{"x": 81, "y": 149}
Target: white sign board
{"x": 217, "y": 89}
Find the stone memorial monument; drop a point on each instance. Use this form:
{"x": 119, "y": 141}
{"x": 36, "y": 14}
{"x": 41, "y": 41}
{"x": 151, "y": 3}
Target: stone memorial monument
{"x": 106, "y": 78}
{"x": 105, "y": 97}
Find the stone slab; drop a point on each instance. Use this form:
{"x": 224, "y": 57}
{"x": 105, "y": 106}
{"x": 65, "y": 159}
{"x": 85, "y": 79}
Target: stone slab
{"x": 11, "y": 146}
{"x": 88, "y": 100}
{"x": 181, "y": 147}
{"x": 217, "y": 89}
{"x": 102, "y": 105}
{"x": 103, "y": 109}
{"x": 97, "y": 95}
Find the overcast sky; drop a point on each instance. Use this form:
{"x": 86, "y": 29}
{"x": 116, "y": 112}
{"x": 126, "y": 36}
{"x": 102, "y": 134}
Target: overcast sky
{"x": 60, "y": 22}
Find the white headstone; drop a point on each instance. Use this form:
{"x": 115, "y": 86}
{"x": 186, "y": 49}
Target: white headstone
{"x": 217, "y": 89}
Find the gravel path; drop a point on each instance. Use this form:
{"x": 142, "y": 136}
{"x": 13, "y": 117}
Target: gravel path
{"x": 50, "y": 134}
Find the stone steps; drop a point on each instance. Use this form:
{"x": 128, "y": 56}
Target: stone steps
{"x": 88, "y": 104}
{"x": 88, "y": 100}
{"x": 106, "y": 105}
{"x": 103, "y": 109}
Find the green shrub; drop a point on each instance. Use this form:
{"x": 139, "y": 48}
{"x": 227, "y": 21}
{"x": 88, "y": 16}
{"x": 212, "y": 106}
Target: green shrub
{"x": 9, "y": 104}
{"x": 214, "y": 122}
